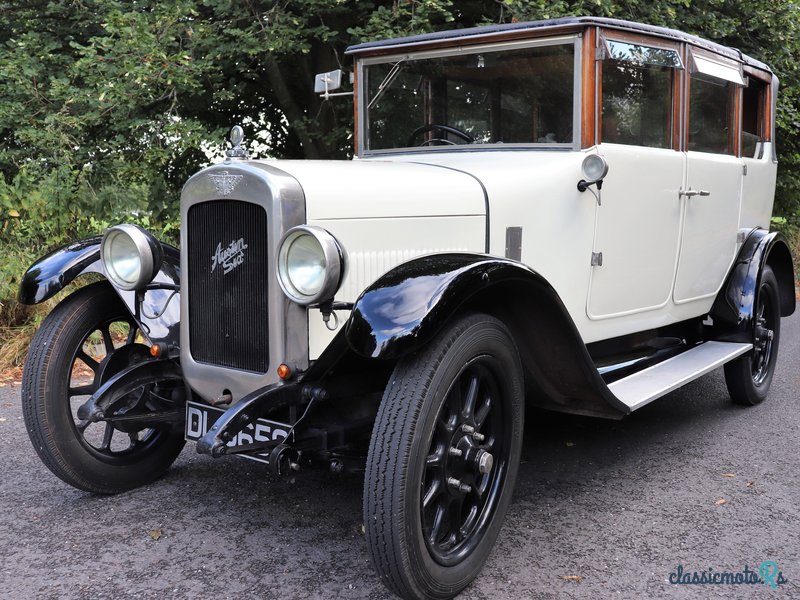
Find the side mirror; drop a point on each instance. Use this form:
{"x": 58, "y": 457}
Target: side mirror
{"x": 325, "y": 83}
{"x": 328, "y": 82}
{"x": 594, "y": 168}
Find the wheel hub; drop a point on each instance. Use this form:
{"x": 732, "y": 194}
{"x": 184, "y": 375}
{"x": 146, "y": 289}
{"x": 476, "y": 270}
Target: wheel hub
{"x": 466, "y": 462}
{"x": 484, "y": 462}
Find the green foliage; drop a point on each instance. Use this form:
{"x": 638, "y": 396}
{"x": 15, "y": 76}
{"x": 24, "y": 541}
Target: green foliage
{"x": 108, "y": 106}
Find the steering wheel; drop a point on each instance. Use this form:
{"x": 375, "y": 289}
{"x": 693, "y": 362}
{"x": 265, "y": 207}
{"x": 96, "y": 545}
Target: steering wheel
{"x": 437, "y": 127}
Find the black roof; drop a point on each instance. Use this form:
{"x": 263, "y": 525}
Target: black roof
{"x": 489, "y": 30}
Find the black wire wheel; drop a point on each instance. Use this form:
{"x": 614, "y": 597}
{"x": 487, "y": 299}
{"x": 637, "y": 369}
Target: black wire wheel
{"x": 749, "y": 377}
{"x": 443, "y": 459}
{"x": 89, "y": 337}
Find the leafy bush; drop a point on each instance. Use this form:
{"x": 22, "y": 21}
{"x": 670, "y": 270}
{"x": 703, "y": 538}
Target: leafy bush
{"x": 43, "y": 208}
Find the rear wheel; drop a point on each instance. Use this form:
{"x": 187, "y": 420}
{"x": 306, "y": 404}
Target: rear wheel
{"x": 443, "y": 459}
{"x": 749, "y": 377}
{"x": 89, "y": 337}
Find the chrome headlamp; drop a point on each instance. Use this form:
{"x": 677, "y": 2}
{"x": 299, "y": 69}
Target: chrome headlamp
{"x": 131, "y": 256}
{"x": 310, "y": 265}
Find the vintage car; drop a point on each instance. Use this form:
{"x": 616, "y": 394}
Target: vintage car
{"x": 570, "y": 214}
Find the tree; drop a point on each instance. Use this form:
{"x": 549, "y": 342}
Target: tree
{"x": 109, "y": 105}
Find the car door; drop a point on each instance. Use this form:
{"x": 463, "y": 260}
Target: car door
{"x": 711, "y": 194}
{"x": 638, "y": 222}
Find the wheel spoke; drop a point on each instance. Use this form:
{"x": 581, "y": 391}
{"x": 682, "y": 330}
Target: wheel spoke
{"x": 434, "y": 458}
{"x": 107, "y": 435}
{"x": 455, "y": 509}
{"x": 432, "y": 493}
{"x": 82, "y": 390}
{"x": 480, "y": 488}
{"x": 82, "y": 425}
{"x": 107, "y": 341}
{"x": 469, "y": 521}
{"x": 471, "y": 396}
{"x": 444, "y": 427}
{"x": 483, "y": 411}
{"x": 438, "y": 521}
{"x": 87, "y": 360}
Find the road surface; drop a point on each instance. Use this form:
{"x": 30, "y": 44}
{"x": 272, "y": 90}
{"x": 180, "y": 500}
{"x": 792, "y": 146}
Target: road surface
{"x": 602, "y": 509}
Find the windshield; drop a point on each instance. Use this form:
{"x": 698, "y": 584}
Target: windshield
{"x": 518, "y": 96}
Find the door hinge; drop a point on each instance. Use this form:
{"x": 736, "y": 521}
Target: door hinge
{"x": 597, "y": 259}
{"x": 744, "y": 169}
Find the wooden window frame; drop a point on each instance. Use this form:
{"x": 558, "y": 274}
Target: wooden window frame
{"x": 593, "y": 72}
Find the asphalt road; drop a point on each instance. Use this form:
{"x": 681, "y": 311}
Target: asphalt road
{"x": 618, "y": 504}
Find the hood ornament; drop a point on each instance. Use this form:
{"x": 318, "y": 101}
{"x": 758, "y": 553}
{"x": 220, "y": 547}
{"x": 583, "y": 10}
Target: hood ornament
{"x": 236, "y": 137}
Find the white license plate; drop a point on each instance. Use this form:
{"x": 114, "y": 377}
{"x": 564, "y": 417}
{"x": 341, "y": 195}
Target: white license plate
{"x": 201, "y": 417}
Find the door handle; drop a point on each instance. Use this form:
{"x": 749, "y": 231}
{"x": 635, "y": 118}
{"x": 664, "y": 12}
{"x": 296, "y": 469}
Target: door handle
{"x": 690, "y": 193}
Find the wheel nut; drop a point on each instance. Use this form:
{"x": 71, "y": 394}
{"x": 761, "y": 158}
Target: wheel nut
{"x": 461, "y": 487}
{"x": 455, "y": 451}
{"x": 478, "y": 437}
{"x": 485, "y": 461}
{"x": 467, "y": 428}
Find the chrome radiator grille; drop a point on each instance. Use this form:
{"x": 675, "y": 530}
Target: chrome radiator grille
{"x": 228, "y": 284}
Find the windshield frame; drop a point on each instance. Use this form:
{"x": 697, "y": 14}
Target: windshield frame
{"x": 362, "y": 111}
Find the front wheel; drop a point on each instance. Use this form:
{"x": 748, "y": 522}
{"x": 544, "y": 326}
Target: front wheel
{"x": 749, "y": 377}
{"x": 443, "y": 459}
{"x": 88, "y": 338}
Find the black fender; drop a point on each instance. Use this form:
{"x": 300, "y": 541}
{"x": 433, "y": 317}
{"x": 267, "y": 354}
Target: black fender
{"x": 405, "y": 309}
{"x": 51, "y": 274}
{"x": 732, "y": 311}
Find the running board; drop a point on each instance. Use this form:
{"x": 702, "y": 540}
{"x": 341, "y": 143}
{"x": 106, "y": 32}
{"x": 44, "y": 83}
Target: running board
{"x": 653, "y": 382}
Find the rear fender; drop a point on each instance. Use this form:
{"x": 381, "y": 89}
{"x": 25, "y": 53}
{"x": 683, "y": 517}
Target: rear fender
{"x": 406, "y": 308}
{"x": 732, "y": 311}
{"x": 51, "y": 274}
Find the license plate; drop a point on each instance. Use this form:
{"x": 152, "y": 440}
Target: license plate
{"x": 201, "y": 417}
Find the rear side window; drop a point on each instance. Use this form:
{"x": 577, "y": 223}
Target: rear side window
{"x": 754, "y": 109}
{"x": 711, "y": 116}
{"x": 637, "y": 103}
{"x": 712, "y": 89}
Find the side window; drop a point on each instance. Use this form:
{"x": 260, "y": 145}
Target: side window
{"x": 638, "y": 94}
{"x": 711, "y": 116}
{"x": 754, "y": 104}
{"x": 712, "y": 95}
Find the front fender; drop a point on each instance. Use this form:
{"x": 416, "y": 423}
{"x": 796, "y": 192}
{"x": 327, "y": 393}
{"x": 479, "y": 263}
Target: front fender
{"x": 406, "y": 308}
{"x": 401, "y": 311}
{"x": 159, "y": 314}
{"x": 733, "y": 308}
